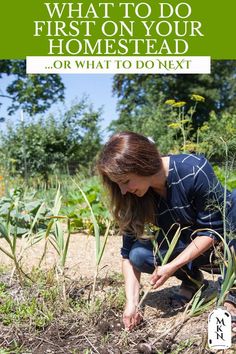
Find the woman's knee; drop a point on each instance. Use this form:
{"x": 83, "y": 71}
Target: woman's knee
{"x": 136, "y": 257}
{"x": 142, "y": 259}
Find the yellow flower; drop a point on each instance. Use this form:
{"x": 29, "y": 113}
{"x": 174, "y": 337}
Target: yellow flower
{"x": 204, "y": 128}
{"x": 174, "y": 125}
{"x": 189, "y": 146}
{"x": 170, "y": 102}
{"x": 197, "y": 98}
{"x": 179, "y": 104}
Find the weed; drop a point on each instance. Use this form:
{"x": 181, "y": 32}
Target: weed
{"x": 31, "y": 310}
{"x": 182, "y": 346}
{"x": 15, "y": 349}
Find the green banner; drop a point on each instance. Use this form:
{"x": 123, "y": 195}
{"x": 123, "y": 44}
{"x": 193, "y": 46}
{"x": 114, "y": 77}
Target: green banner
{"x": 117, "y": 28}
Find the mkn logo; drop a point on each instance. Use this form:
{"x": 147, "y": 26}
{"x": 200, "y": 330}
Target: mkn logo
{"x": 219, "y": 329}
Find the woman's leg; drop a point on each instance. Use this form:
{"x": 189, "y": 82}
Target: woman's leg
{"x": 142, "y": 258}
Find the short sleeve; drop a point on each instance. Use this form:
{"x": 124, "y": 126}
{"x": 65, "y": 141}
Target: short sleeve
{"x": 128, "y": 241}
{"x": 208, "y": 198}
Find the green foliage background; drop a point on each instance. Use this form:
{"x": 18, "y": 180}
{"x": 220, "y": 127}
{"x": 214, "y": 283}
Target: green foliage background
{"x": 32, "y": 93}
{"x": 51, "y": 148}
{"x": 141, "y": 103}
{"x": 65, "y": 143}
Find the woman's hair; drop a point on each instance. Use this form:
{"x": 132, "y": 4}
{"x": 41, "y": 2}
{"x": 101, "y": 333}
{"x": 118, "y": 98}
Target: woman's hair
{"x": 124, "y": 153}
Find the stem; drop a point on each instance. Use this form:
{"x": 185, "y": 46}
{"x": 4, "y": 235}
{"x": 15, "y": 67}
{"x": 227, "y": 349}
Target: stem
{"x": 94, "y": 282}
{"x": 184, "y": 137}
{"x": 18, "y": 270}
{"x": 5, "y": 96}
{"x": 24, "y": 148}
{"x": 165, "y": 259}
{"x": 176, "y": 325}
{"x": 144, "y": 296}
{"x": 225, "y": 194}
{"x": 43, "y": 254}
{"x": 181, "y": 116}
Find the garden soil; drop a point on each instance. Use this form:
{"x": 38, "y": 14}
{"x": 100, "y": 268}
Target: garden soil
{"x": 158, "y": 332}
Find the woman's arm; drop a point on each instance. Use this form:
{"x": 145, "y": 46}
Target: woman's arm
{"x": 198, "y": 246}
{"x": 131, "y": 316}
{"x": 132, "y": 281}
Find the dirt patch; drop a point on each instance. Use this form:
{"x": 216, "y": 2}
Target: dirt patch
{"x": 81, "y": 259}
{"x": 86, "y": 326}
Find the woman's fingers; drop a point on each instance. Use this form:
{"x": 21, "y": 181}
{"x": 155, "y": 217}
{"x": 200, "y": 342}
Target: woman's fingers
{"x": 159, "y": 282}
{"x": 132, "y": 321}
{"x": 154, "y": 277}
{"x": 136, "y": 320}
{"x": 127, "y": 322}
{"x": 160, "y": 275}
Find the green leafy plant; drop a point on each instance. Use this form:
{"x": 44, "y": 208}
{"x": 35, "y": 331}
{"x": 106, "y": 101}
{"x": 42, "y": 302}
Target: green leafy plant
{"x": 231, "y": 177}
{"x": 11, "y": 215}
{"x": 211, "y": 133}
{"x": 228, "y": 266}
{"x": 67, "y": 142}
{"x": 78, "y": 210}
{"x": 19, "y": 208}
{"x": 100, "y": 247}
{"x": 56, "y": 234}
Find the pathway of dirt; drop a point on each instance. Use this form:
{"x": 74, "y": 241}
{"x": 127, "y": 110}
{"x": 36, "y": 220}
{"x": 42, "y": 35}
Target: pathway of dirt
{"x": 81, "y": 259}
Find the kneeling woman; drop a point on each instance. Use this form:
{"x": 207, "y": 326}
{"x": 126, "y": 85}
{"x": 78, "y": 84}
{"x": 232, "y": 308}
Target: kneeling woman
{"x": 166, "y": 191}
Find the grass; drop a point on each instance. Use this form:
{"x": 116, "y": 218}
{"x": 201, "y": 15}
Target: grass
{"x": 39, "y": 310}
{"x": 38, "y": 316}
{"x": 33, "y": 305}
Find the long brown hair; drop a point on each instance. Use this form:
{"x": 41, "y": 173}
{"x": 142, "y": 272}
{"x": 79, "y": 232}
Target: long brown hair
{"x": 129, "y": 152}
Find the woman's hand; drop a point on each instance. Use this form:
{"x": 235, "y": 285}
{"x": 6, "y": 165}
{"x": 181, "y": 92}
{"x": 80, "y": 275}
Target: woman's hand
{"x": 161, "y": 274}
{"x": 131, "y": 316}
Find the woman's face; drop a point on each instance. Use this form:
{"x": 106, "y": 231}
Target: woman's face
{"x": 132, "y": 183}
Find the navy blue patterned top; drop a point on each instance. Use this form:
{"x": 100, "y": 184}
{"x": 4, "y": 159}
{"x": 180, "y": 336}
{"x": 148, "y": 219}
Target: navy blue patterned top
{"x": 195, "y": 199}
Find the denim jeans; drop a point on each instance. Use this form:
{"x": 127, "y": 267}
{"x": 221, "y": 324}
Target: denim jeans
{"x": 142, "y": 258}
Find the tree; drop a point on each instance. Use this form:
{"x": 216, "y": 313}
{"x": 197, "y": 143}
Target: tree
{"x": 136, "y": 92}
{"x": 65, "y": 143}
{"x": 33, "y": 93}
{"x": 82, "y": 121}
